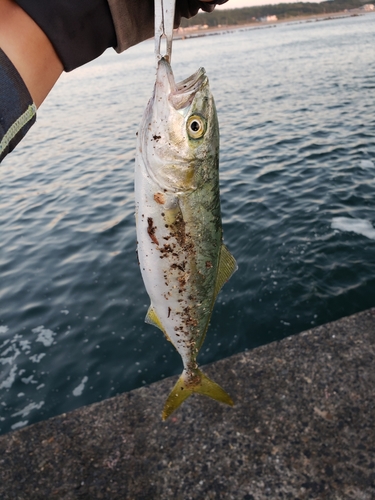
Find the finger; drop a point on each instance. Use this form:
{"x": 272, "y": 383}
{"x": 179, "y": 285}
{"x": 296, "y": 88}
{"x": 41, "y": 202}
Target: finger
{"x": 215, "y": 2}
{"x": 206, "y": 7}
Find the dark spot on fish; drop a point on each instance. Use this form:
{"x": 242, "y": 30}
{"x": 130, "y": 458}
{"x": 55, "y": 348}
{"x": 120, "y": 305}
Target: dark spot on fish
{"x": 165, "y": 249}
{"x": 182, "y": 281}
{"x": 169, "y": 311}
{"x": 181, "y": 266}
{"x": 178, "y": 229}
{"x": 156, "y": 137}
{"x": 151, "y": 230}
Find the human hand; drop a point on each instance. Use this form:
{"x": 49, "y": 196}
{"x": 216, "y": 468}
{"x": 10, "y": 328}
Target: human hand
{"x": 134, "y": 19}
{"x": 189, "y": 8}
{"x": 81, "y": 31}
{"x": 211, "y": 4}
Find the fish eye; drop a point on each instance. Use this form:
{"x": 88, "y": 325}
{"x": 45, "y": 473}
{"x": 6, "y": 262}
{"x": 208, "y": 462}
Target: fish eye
{"x": 196, "y": 126}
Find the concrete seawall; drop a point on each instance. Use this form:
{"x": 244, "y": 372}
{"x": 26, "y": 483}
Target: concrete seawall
{"x": 303, "y": 427}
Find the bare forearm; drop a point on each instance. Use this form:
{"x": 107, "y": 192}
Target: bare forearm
{"x": 33, "y": 53}
{"x": 39, "y": 39}
{"x": 29, "y": 50}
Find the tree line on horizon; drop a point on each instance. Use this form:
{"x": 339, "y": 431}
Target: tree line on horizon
{"x": 246, "y": 15}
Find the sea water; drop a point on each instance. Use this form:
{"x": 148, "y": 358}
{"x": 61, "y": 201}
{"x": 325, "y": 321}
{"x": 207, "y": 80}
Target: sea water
{"x": 296, "y": 106}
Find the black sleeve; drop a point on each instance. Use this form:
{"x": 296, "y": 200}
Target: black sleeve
{"x": 17, "y": 110}
{"x": 79, "y": 30}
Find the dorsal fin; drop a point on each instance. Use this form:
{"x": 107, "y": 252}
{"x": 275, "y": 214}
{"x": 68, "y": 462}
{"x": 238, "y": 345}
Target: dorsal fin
{"x": 227, "y": 266}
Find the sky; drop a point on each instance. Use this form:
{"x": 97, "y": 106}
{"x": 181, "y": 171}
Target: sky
{"x": 234, "y": 4}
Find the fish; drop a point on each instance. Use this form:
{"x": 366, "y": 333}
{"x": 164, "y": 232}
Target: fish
{"x": 181, "y": 254}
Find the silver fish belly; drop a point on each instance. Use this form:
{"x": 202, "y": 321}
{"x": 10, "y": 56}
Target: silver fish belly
{"x": 180, "y": 244}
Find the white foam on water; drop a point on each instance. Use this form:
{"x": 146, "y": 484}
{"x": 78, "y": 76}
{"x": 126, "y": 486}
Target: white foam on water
{"x": 3, "y": 329}
{"x": 20, "y": 424}
{"x": 367, "y": 164}
{"x": 79, "y": 389}
{"x": 29, "y": 380}
{"x": 45, "y": 336}
{"x": 16, "y": 338}
{"x": 28, "y": 409}
{"x": 13, "y": 351}
{"x": 37, "y": 357}
{"x": 6, "y": 342}
{"x": 8, "y": 382}
{"x": 64, "y": 311}
{"x": 25, "y": 346}
{"x": 358, "y": 226}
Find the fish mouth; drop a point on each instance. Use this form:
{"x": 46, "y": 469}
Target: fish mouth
{"x": 193, "y": 82}
{"x": 186, "y": 89}
{"x": 180, "y": 94}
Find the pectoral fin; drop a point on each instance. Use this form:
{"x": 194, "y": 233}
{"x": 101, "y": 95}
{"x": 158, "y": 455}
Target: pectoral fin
{"x": 227, "y": 266}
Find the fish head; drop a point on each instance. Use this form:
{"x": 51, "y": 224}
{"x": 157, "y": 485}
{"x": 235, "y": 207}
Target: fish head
{"x": 180, "y": 134}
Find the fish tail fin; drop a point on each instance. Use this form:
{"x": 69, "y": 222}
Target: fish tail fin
{"x": 187, "y": 384}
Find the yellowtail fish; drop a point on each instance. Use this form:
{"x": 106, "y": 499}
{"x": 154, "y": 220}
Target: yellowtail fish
{"x": 183, "y": 260}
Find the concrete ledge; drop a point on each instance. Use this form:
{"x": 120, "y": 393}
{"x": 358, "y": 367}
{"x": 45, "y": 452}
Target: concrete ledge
{"x": 303, "y": 428}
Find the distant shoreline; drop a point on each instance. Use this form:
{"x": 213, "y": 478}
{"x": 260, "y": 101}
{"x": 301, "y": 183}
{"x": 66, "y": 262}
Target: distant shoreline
{"x": 183, "y": 33}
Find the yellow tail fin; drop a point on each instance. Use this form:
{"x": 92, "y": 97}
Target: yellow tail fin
{"x": 187, "y": 384}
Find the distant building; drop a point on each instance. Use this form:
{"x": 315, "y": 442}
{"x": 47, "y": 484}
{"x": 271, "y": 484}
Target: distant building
{"x": 187, "y": 29}
{"x": 368, "y": 7}
{"x": 268, "y": 19}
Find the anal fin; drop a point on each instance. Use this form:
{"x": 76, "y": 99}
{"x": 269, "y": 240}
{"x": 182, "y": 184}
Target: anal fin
{"x": 153, "y": 319}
